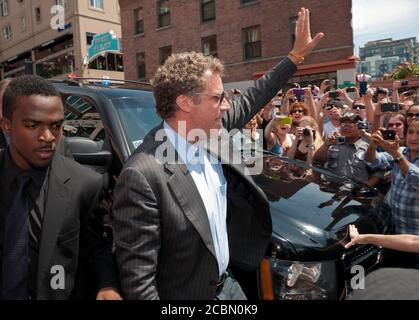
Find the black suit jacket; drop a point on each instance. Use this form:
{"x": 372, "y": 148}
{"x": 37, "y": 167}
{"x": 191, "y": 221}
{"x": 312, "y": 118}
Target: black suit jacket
{"x": 3, "y": 144}
{"x": 164, "y": 246}
{"x": 72, "y": 232}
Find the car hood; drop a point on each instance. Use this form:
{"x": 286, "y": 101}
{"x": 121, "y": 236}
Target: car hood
{"x": 312, "y": 212}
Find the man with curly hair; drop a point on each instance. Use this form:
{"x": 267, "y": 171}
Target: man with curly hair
{"x": 181, "y": 225}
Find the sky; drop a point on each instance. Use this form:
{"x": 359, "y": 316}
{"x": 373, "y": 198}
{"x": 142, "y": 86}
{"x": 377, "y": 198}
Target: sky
{"x": 379, "y": 19}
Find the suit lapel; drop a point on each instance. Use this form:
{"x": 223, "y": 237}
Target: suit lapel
{"x": 57, "y": 204}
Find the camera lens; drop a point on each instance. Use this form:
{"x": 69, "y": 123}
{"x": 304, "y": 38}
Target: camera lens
{"x": 306, "y": 132}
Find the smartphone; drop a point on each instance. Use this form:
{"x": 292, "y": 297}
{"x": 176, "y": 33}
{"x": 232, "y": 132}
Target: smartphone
{"x": 388, "y": 134}
{"x": 390, "y": 107}
{"x": 284, "y": 120}
{"x": 363, "y": 86}
{"x": 298, "y": 91}
{"x": 405, "y": 82}
{"x": 352, "y": 89}
{"x": 333, "y": 95}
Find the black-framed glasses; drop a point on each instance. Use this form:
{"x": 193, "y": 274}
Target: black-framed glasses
{"x": 411, "y": 115}
{"x": 219, "y": 97}
{"x": 359, "y": 106}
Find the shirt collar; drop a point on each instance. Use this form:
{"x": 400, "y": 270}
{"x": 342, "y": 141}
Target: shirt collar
{"x": 13, "y": 171}
{"x": 188, "y": 153}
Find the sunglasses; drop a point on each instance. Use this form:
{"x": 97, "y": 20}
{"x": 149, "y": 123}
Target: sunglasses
{"x": 411, "y": 114}
{"x": 348, "y": 125}
{"x": 297, "y": 111}
{"x": 359, "y": 106}
{"x": 218, "y": 97}
{"x": 395, "y": 125}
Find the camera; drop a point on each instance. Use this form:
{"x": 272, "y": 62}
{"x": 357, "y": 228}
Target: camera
{"x": 390, "y": 107}
{"x": 381, "y": 91}
{"x": 363, "y": 86}
{"x": 404, "y": 82}
{"x": 334, "y": 95}
{"x": 299, "y": 93}
{"x": 340, "y": 139}
{"x": 362, "y": 126}
{"x": 306, "y": 132}
{"x": 388, "y": 134}
{"x": 352, "y": 89}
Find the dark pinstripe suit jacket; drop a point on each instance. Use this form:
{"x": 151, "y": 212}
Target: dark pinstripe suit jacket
{"x": 164, "y": 246}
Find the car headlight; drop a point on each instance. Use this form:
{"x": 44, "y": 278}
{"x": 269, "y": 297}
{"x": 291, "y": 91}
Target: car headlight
{"x": 298, "y": 280}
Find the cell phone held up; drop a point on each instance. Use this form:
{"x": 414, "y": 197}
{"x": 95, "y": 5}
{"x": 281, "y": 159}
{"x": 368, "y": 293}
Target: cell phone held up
{"x": 334, "y": 95}
{"x": 388, "y": 134}
{"x": 390, "y": 107}
{"x": 283, "y": 121}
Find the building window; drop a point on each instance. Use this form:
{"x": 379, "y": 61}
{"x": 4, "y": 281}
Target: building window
{"x": 97, "y": 4}
{"x": 141, "y": 71}
{"x": 292, "y": 24}
{"x": 110, "y": 62}
{"x": 7, "y": 32}
{"x": 164, "y": 53}
{"x": 209, "y": 46}
{"x": 138, "y": 21}
{"x": 4, "y": 7}
{"x": 23, "y": 23}
{"x": 252, "y": 44}
{"x": 89, "y": 37}
{"x": 207, "y": 10}
{"x": 163, "y": 13}
{"x": 38, "y": 14}
{"x": 56, "y": 66}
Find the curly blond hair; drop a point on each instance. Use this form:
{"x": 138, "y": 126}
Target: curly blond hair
{"x": 181, "y": 74}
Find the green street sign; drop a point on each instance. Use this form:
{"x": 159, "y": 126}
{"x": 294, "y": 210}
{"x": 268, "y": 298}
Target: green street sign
{"x": 346, "y": 84}
{"x": 102, "y": 43}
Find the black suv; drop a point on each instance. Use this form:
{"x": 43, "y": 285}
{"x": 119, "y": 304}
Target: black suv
{"x": 311, "y": 208}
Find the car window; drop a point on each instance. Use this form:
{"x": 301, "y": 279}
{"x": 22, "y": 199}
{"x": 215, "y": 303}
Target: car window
{"x": 81, "y": 118}
{"x": 138, "y": 116}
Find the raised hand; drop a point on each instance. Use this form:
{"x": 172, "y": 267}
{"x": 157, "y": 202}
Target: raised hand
{"x": 304, "y": 43}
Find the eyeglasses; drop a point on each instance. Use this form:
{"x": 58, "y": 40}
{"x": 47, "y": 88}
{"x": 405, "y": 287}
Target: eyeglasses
{"x": 395, "y": 125}
{"x": 359, "y": 106}
{"x": 297, "y": 111}
{"x": 348, "y": 125}
{"x": 411, "y": 114}
{"x": 219, "y": 97}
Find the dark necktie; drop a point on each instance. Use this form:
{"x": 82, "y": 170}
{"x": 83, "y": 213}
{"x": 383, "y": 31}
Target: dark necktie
{"x": 14, "y": 284}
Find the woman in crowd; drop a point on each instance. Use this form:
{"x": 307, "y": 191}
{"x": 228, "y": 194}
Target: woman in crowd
{"x": 307, "y": 140}
{"x": 278, "y": 138}
{"x": 397, "y": 123}
{"x": 412, "y": 113}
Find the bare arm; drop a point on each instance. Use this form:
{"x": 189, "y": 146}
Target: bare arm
{"x": 400, "y": 242}
{"x": 309, "y": 101}
{"x": 270, "y": 135}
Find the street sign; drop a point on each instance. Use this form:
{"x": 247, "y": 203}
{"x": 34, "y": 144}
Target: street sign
{"x": 103, "y": 43}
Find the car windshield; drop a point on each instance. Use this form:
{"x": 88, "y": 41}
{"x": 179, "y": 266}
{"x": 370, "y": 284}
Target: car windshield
{"x": 138, "y": 116}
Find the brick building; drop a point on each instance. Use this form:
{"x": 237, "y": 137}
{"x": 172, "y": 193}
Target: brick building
{"x": 250, "y": 36}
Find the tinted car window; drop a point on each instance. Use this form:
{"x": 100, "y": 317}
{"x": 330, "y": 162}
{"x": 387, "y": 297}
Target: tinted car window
{"x": 138, "y": 116}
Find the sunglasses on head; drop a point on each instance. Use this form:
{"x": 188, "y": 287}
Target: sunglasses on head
{"x": 411, "y": 114}
{"x": 359, "y": 106}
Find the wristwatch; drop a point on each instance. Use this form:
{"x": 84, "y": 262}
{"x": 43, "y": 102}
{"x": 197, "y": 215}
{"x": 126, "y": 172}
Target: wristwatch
{"x": 398, "y": 159}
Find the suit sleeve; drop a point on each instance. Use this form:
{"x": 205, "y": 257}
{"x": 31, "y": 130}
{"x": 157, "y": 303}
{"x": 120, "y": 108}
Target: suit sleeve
{"x": 95, "y": 248}
{"x": 137, "y": 235}
{"x": 255, "y": 98}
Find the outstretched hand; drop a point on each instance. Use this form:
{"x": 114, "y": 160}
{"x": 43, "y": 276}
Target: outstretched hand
{"x": 304, "y": 43}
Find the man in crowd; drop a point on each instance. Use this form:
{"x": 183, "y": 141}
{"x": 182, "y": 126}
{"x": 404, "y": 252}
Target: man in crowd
{"x": 51, "y": 229}
{"x": 344, "y": 154}
{"x": 180, "y": 225}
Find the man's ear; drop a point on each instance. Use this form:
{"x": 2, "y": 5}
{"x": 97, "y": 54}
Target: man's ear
{"x": 6, "y": 126}
{"x": 184, "y": 103}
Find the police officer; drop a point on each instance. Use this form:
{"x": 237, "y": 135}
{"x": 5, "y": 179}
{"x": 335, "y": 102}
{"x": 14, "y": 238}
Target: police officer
{"x": 344, "y": 154}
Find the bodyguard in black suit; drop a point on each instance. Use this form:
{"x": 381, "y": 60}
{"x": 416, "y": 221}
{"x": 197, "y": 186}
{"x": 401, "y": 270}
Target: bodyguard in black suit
{"x": 51, "y": 230}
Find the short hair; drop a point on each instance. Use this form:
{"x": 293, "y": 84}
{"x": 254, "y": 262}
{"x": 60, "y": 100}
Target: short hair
{"x": 27, "y": 85}
{"x": 181, "y": 74}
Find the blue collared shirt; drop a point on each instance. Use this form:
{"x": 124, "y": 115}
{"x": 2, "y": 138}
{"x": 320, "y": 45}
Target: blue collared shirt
{"x": 404, "y": 192}
{"x": 207, "y": 173}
